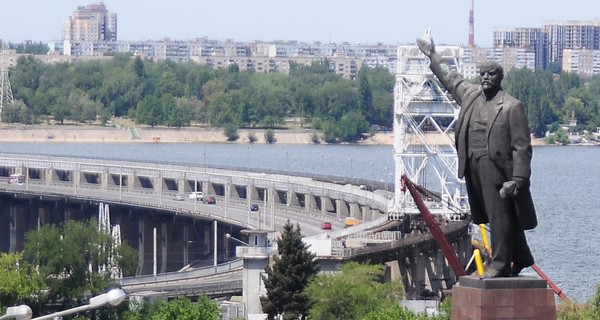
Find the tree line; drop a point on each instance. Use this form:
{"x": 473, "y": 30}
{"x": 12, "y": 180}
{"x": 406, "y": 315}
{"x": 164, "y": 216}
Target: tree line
{"x": 174, "y": 94}
{"x": 167, "y": 93}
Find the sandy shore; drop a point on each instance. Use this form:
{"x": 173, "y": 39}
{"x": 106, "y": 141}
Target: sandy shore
{"x": 92, "y": 134}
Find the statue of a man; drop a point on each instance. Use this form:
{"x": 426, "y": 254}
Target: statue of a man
{"x": 493, "y": 142}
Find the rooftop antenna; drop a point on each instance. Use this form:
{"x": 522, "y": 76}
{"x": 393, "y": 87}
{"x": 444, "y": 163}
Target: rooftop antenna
{"x": 6, "y": 96}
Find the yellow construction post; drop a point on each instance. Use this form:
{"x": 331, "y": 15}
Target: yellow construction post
{"x": 478, "y": 261}
{"x": 486, "y": 244}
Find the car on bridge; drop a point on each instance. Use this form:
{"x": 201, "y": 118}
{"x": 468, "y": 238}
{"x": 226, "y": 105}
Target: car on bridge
{"x": 326, "y": 226}
{"x": 178, "y": 197}
{"x": 253, "y": 207}
{"x": 196, "y": 195}
{"x": 209, "y": 200}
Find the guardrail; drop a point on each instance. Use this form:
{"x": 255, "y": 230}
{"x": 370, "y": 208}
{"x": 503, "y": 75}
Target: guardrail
{"x": 204, "y": 272}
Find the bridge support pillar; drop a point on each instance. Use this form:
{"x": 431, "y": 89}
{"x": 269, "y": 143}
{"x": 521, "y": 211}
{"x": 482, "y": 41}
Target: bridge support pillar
{"x": 252, "y": 192}
{"x": 292, "y": 198}
{"x": 164, "y": 237}
{"x": 14, "y": 222}
{"x": 326, "y": 205}
{"x": 341, "y": 208}
{"x": 181, "y": 186}
{"x": 104, "y": 179}
{"x": 186, "y": 244}
{"x": 207, "y": 188}
{"x": 141, "y": 238}
{"x": 275, "y": 195}
{"x": 355, "y": 211}
{"x": 310, "y": 203}
{"x": 49, "y": 176}
{"x": 43, "y": 216}
{"x": 130, "y": 182}
{"x": 158, "y": 184}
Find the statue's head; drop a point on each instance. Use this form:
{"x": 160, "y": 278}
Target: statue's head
{"x": 491, "y": 74}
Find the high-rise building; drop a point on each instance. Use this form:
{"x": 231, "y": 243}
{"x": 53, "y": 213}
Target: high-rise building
{"x": 571, "y": 35}
{"x": 533, "y": 40}
{"x": 90, "y": 23}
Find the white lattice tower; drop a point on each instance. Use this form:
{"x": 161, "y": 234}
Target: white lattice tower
{"x": 115, "y": 232}
{"x": 424, "y": 115}
{"x": 6, "y": 95}
{"x": 103, "y": 218}
{"x": 116, "y": 236}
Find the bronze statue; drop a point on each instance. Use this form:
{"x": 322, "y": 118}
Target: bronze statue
{"x": 493, "y": 142}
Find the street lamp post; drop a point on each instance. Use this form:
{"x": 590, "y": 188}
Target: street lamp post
{"x": 112, "y": 297}
{"x": 22, "y": 312}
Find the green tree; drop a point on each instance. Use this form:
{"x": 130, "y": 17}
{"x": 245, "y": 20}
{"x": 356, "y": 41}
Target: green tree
{"x": 149, "y": 111}
{"x": 352, "y": 125}
{"x": 560, "y": 137}
{"x": 71, "y": 259}
{"x": 180, "y": 308}
{"x": 19, "y": 281}
{"x": 366, "y": 97}
{"x": 17, "y": 111}
{"x": 288, "y": 276}
{"x": 354, "y": 292}
{"x": 60, "y": 110}
{"x": 82, "y": 107}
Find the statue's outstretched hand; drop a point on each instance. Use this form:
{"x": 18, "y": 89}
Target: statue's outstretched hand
{"x": 426, "y": 46}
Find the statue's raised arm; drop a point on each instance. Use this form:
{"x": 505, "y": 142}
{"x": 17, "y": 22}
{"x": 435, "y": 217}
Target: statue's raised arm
{"x": 439, "y": 68}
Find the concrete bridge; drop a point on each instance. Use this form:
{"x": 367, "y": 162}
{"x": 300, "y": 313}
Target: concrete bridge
{"x": 192, "y": 234}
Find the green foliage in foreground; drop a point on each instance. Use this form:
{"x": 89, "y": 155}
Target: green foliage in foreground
{"x": 575, "y": 311}
{"x": 288, "y": 276}
{"x": 72, "y": 260}
{"x": 19, "y": 283}
{"x": 353, "y": 293}
{"x": 180, "y": 308}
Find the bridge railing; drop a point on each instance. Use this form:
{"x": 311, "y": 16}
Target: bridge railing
{"x": 210, "y": 271}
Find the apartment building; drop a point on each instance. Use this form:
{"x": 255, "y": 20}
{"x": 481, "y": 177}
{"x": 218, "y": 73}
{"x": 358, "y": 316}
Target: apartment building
{"x": 571, "y": 35}
{"x": 534, "y": 40}
{"x": 583, "y": 62}
{"x": 90, "y": 23}
{"x": 92, "y": 31}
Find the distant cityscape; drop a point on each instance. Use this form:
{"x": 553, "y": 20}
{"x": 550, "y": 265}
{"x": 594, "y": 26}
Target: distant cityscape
{"x": 91, "y": 33}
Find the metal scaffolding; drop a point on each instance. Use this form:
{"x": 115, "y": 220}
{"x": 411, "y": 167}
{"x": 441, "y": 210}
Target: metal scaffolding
{"x": 6, "y": 96}
{"x": 424, "y": 117}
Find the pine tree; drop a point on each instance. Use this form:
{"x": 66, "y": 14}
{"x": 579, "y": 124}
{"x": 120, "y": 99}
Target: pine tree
{"x": 289, "y": 274}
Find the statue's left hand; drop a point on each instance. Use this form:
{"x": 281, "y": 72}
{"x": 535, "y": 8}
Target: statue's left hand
{"x": 509, "y": 190}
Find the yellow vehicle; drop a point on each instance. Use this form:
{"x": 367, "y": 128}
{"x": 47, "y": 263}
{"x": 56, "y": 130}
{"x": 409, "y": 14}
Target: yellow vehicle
{"x": 349, "y": 222}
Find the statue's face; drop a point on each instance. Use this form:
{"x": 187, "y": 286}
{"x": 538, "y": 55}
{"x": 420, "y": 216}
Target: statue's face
{"x": 491, "y": 76}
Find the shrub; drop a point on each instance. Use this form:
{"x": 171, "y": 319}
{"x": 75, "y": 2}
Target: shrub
{"x": 270, "y": 136}
{"x": 251, "y": 137}
{"x": 231, "y": 132}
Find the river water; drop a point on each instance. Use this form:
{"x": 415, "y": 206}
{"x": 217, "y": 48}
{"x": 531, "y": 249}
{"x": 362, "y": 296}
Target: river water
{"x": 565, "y": 244}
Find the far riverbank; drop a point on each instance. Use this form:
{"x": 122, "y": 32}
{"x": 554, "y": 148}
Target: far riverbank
{"x": 97, "y": 134}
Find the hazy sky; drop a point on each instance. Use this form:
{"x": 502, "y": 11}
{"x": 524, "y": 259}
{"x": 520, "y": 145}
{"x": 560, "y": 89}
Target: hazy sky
{"x": 356, "y": 21}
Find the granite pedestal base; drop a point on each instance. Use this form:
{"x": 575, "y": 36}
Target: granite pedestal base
{"x": 502, "y": 298}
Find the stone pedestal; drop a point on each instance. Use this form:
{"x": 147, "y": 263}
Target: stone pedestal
{"x": 502, "y": 298}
